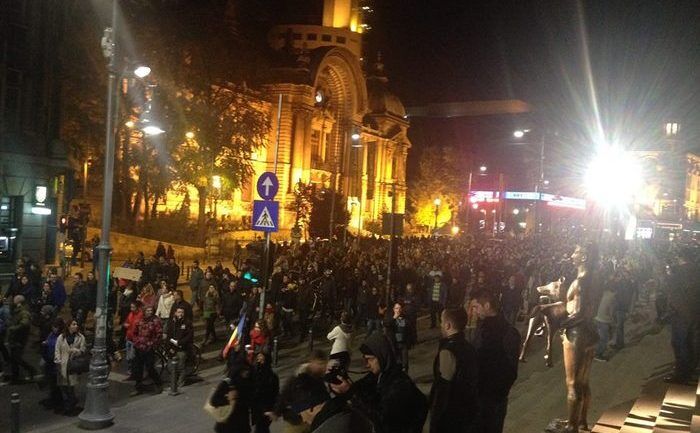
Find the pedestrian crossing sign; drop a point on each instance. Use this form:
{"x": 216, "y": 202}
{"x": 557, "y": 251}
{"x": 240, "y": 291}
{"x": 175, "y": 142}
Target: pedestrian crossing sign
{"x": 265, "y": 215}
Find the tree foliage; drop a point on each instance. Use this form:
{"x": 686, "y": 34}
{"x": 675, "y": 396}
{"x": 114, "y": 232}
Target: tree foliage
{"x": 442, "y": 175}
{"x": 320, "y": 217}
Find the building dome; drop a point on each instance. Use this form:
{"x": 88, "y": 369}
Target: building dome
{"x": 381, "y": 100}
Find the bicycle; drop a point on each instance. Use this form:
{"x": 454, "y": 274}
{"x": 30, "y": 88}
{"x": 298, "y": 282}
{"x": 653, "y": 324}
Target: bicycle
{"x": 163, "y": 356}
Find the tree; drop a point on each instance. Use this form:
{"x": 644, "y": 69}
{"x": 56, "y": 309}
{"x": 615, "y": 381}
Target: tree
{"x": 302, "y": 204}
{"x": 320, "y": 217}
{"x": 440, "y": 176}
{"x": 227, "y": 128}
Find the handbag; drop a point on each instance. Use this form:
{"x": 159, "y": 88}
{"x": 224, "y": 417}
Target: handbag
{"x": 79, "y": 364}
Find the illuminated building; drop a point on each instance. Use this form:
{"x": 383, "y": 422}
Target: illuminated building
{"x": 328, "y": 98}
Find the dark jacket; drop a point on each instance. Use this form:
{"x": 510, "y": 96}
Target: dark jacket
{"x": 180, "y": 330}
{"x": 266, "y": 386}
{"x": 392, "y": 401}
{"x": 454, "y": 403}
{"x": 497, "y": 344}
{"x": 337, "y": 417}
{"x": 19, "y": 326}
{"x": 80, "y": 298}
{"x": 231, "y": 303}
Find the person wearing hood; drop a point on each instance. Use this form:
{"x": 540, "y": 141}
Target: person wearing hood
{"x": 341, "y": 336}
{"x": 308, "y": 397}
{"x": 266, "y": 387}
{"x": 386, "y": 395}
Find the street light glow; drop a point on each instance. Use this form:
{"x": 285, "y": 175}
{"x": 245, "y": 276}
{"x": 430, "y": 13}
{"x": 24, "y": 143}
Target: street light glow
{"x": 455, "y": 230}
{"x": 142, "y": 71}
{"x": 216, "y": 181}
{"x": 613, "y": 178}
{"x": 516, "y": 211}
{"x": 518, "y": 133}
{"x": 482, "y": 169}
{"x": 355, "y": 136}
{"x": 152, "y": 130}
{"x": 437, "y": 202}
{"x": 189, "y": 135}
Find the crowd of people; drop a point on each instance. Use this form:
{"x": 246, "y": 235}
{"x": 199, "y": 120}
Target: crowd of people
{"x": 476, "y": 290}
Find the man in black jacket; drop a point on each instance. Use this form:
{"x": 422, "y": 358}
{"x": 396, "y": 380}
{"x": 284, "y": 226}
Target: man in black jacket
{"x": 453, "y": 397}
{"x": 386, "y": 395}
{"x": 497, "y": 344}
{"x": 180, "y": 335}
{"x": 180, "y": 302}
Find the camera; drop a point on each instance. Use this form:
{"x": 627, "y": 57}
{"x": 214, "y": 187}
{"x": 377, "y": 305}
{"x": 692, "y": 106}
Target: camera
{"x": 335, "y": 371}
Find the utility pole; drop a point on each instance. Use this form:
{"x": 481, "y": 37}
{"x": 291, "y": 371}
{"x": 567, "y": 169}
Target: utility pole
{"x": 267, "y": 271}
{"x": 391, "y": 240}
{"x": 97, "y": 414}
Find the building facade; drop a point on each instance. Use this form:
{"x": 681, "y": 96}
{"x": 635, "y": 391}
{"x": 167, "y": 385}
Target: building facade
{"x": 340, "y": 127}
{"x": 33, "y": 163}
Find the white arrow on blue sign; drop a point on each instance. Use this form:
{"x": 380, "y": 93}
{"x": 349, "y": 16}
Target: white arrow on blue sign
{"x": 266, "y": 215}
{"x": 268, "y": 185}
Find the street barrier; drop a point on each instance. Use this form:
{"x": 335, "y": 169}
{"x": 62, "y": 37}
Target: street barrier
{"x": 173, "y": 376}
{"x": 14, "y": 413}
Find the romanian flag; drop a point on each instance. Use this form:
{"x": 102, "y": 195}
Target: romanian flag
{"x": 235, "y": 337}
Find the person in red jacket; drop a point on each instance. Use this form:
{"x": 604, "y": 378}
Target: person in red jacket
{"x": 258, "y": 339}
{"x": 129, "y": 327}
{"x": 148, "y": 334}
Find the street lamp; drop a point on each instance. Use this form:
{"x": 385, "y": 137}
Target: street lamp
{"x": 142, "y": 71}
{"x": 97, "y": 414}
{"x": 436, "y": 202}
{"x": 483, "y": 169}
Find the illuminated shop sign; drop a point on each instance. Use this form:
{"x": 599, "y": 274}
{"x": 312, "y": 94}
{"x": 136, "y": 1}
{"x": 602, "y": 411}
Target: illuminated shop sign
{"x": 562, "y": 201}
{"x": 522, "y": 195}
{"x": 40, "y": 195}
{"x": 484, "y": 197}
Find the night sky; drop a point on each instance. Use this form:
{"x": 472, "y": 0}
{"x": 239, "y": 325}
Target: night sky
{"x": 643, "y": 58}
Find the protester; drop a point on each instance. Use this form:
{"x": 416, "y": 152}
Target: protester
{"x": 166, "y": 299}
{"x": 80, "y": 302}
{"x": 399, "y": 327}
{"x": 147, "y": 336}
{"x": 386, "y": 395}
{"x": 179, "y": 302}
{"x": 196, "y": 276}
{"x": 54, "y": 400}
{"x": 18, "y": 330}
{"x": 341, "y": 335}
{"x": 210, "y": 310}
{"x": 438, "y": 294}
{"x": 604, "y": 321}
{"x": 309, "y": 399}
{"x": 69, "y": 346}
{"x": 180, "y": 335}
{"x": 454, "y": 404}
{"x": 266, "y": 390}
{"x": 497, "y": 345}
{"x": 131, "y": 325}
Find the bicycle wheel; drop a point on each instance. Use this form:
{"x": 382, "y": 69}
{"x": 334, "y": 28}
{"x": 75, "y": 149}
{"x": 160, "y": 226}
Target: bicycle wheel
{"x": 161, "y": 362}
{"x": 196, "y": 359}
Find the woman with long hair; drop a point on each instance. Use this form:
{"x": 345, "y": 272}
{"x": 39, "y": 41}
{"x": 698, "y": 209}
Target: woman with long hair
{"x": 69, "y": 345}
{"x": 210, "y": 310}
{"x": 148, "y": 297}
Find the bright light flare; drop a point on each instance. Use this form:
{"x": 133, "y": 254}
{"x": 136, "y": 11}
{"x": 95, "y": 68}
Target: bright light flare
{"x": 142, "y": 71}
{"x": 152, "y": 130}
{"x": 455, "y": 230}
{"x": 614, "y": 178}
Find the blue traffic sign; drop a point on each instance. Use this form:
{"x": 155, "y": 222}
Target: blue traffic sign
{"x": 268, "y": 185}
{"x": 266, "y": 215}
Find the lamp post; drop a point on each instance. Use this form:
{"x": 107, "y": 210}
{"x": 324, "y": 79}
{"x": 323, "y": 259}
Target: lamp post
{"x": 97, "y": 414}
{"x": 436, "y": 202}
{"x": 357, "y": 144}
{"x": 540, "y": 183}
